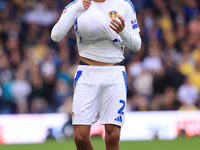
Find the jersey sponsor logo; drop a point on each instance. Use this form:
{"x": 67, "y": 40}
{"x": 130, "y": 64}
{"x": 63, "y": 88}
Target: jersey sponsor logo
{"x": 65, "y": 10}
{"x": 113, "y": 14}
{"x": 134, "y": 24}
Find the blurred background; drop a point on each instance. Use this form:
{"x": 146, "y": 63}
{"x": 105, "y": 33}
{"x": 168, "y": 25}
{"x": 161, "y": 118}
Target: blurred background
{"x": 36, "y": 74}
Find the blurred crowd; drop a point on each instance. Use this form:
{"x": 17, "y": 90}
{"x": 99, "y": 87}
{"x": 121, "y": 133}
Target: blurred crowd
{"x": 37, "y": 74}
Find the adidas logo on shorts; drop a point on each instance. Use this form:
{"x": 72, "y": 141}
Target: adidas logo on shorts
{"x": 119, "y": 118}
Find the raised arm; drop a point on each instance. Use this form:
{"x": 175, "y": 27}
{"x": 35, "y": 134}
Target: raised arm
{"x": 67, "y": 19}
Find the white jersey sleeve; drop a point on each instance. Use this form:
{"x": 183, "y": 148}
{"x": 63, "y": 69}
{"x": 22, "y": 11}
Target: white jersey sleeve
{"x": 66, "y": 20}
{"x": 132, "y": 41}
{"x": 130, "y": 35}
{"x": 131, "y": 23}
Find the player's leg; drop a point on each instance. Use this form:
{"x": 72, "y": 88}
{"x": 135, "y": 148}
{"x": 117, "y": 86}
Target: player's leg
{"x": 112, "y": 137}
{"x": 82, "y": 137}
{"x": 85, "y": 106}
{"x": 112, "y": 104}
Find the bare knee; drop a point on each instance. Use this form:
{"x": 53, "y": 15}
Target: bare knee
{"x": 81, "y": 139}
{"x": 112, "y": 136}
{"x": 81, "y": 135}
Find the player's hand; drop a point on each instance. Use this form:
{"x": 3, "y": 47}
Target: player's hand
{"x": 116, "y": 25}
{"x": 86, "y": 3}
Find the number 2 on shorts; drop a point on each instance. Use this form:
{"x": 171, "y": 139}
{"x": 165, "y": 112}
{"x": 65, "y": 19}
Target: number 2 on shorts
{"x": 122, "y": 108}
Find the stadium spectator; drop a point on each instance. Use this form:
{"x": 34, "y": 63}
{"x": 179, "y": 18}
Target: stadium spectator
{"x": 61, "y": 92}
{"x": 165, "y": 101}
{"x": 20, "y": 90}
{"x": 188, "y": 94}
{"x": 195, "y": 77}
{"x": 143, "y": 84}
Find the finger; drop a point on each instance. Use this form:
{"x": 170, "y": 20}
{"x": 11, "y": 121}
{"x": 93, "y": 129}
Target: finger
{"x": 87, "y": 2}
{"x": 118, "y": 23}
{"x": 121, "y": 19}
{"x": 86, "y": 5}
{"x": 113, "y": 28}
{"x": 114, "y": 24}
{"x": 119, "y": 27}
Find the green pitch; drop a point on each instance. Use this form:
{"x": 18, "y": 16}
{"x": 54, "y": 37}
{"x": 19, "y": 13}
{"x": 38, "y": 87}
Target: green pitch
{"x": 181, "y": 143}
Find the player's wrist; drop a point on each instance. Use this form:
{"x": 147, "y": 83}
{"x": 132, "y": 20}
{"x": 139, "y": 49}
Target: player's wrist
{"x": 124, "y": 32}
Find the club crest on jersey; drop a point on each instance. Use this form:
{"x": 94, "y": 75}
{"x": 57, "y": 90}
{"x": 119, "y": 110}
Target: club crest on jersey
{"x": 113, "y": 14}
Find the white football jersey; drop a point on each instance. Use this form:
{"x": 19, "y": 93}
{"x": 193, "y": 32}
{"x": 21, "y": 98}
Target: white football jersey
{"x": 95, "y": 39}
